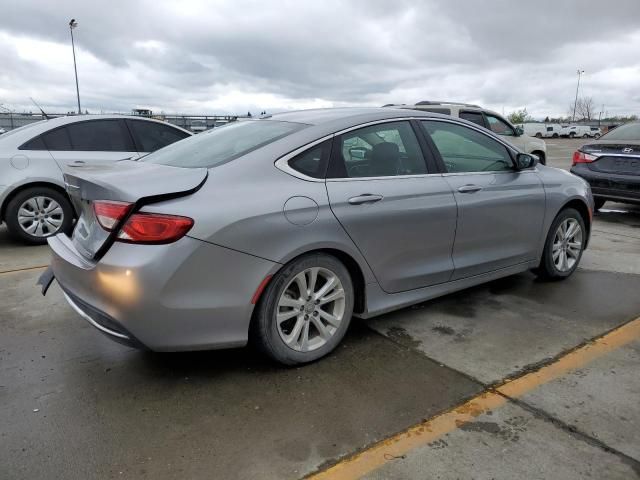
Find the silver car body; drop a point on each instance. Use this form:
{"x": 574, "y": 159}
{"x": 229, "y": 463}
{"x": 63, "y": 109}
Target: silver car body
{"x": 21, "y": 168}
{"x": 254, "y": 214}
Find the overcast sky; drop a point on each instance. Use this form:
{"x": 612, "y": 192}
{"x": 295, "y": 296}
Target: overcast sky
{"x": 234, "y": 56}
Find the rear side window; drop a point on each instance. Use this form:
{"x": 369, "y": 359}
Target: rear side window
{"x": 152, "y": 136}
{"x": 382, "y": 150}
{"x": 223, "y": 144}
{"x": 630, "y": 131}
{"x": 34, "y": 144}
{"x": 313, "y": 162}
{"x": 99, "y": 136}
{"x": 475, "y": 117}
{"x": 57, "y": 140}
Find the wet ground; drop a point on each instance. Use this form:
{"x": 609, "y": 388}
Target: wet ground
{"x": 75, "y": 405}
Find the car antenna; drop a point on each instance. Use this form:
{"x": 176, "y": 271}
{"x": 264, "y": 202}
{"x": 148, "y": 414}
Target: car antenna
{"x": 39, "y": 108}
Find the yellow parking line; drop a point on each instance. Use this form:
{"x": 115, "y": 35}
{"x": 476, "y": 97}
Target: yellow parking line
{"x": 426, "y": 432}
{"x": 23, "y": 269}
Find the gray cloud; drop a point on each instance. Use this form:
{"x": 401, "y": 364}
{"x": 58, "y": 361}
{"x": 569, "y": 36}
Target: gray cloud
{"x": 240, "y": 55}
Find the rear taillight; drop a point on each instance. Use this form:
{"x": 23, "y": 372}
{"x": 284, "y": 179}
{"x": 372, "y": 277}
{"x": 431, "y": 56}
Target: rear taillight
{"x": 581, "y": 157}
{"x": 154, "y": 228}
{"x": 140, "y": 227}
{"x": 110, "y": 213}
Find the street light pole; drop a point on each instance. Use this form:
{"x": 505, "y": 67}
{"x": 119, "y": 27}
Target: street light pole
{"x": 73, "y": 24}
{"x": 575, "y": 103}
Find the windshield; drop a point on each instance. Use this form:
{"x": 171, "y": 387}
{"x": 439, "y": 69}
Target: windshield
{"x": 222, "y": 144}
{"x": 630, "y": 131}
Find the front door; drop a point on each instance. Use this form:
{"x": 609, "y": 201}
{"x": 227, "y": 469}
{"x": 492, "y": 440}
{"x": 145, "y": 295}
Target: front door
{"x": 500, "y": 210}
{"x": 400, "y": 217}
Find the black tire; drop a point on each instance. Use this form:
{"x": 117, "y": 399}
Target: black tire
{"x": 264, "y": 332}
{"x": 599, "y": 202}
{"x": 572, "y": 135}
{"x": 586, "y": 135}
{"x": 16, "y": 230}
{"x": 596, "y": 136}
{"x": 555, "y": 135}
{"x": 538, "y": 135}
{"x": 547, "y": 269}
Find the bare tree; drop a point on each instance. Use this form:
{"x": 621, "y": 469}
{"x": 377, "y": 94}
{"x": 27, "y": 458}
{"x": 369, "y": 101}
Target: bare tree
{"x": 585, "y": 108}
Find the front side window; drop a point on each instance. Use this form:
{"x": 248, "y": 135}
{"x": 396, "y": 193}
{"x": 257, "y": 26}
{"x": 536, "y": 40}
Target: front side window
{"x": 382, "y": 150}
{"x": 99, "y": 136}
{"x": 466, "y": 150}
{"x": 224, "y": 144}
{"x": 313, "y": 162}
{"x": 499, "y": 126}
{"x": 152, "y": 136}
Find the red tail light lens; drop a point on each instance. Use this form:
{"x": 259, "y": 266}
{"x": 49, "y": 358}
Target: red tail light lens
{"x": 154, "y": 228}
{"x": 581, "y": 157}
{"x": 110, "y": 213}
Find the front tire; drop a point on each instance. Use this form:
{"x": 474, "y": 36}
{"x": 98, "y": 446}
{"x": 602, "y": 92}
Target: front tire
{"x": 563, "y": 247}
{"x": 37, "y": 213}
{"x": 305, "y": 310}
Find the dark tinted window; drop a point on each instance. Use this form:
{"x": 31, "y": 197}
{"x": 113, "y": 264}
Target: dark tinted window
{"x": 99, "y": 136}
{"x": 57, "y": 139}
{"x": 34, "y": 144}
{"x": 223, "y": 144}
{"x": 383, "y": 150}
{"x": 465, "y": 150}
{"x": 151, "y": 136}
{"x": 444, "y": 111}
{"x": 475, "y": 117}
{"x": 313, "y": 162}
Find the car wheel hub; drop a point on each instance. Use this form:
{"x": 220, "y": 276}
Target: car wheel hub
{"x": 567, "y": 245}
{"x": 310, "y": 309}
{"x": 40, "y": 216}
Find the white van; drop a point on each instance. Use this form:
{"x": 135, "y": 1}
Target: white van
{"x": 537, "y": 130}
{"x": 552, "y": 131}
{"x": 584, "y": 131}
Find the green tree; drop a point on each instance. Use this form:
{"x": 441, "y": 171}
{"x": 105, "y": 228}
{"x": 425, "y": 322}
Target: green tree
{"x": 519, "y": 116}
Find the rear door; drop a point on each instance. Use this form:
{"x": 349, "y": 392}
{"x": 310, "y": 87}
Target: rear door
{"x": 90, "y": 141}
{"x": 400, "y": 215}
{"x": 500, "y": 210}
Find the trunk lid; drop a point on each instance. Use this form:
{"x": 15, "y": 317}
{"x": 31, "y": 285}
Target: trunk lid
{"x": 124, "y": 181}
{"x": 620, "y": 158}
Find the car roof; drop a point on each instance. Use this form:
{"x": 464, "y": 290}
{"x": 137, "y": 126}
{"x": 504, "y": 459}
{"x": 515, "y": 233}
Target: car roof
{"x": 326, "y": 116}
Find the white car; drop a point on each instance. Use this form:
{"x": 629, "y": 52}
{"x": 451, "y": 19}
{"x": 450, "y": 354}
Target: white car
{"x": 33, "y": 200}
{"x": 584, "y": 131}
{"x": 487, "y": 119}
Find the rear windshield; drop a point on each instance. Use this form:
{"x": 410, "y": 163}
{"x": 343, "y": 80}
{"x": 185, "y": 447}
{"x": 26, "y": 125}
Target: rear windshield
{"x": 222, "y": 144}
{"x": 630, "y": 131}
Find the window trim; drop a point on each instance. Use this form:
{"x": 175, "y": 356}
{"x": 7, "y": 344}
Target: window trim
{"x": 282, "y": 162}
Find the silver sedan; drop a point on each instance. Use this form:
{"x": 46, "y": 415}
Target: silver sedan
{"x": 279, "y": 230}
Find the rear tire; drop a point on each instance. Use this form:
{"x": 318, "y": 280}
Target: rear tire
{"x": 572, "y": 135}
{"x": 586, "y": 135}
{"x": 563, "y": 247}
{"x": 314, "y": 308}
{"x": 599, "y": 202}
{"x": 538, "y": 135}
{"x": 36, "y": 213}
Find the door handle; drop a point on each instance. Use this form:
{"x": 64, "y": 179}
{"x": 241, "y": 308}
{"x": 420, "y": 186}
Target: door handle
{"x": 365, "y": 198}
{"x": 469, "y": 188}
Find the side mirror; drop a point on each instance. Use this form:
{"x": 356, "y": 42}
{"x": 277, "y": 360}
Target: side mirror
{"x": 525, "y": 161}
{"x": 519, "y": 131}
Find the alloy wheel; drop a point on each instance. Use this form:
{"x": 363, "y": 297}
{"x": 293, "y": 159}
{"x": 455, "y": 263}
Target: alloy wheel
{"x": 310, "y": 309}
{"x": 40, "y": 216}
{"x": 567, "y": 245}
